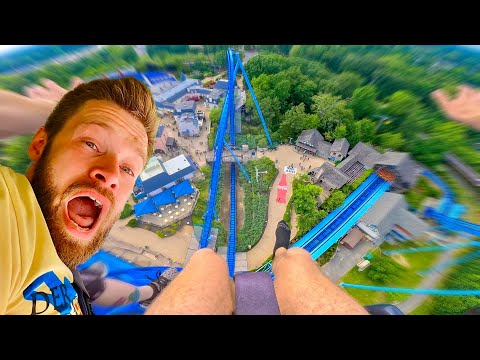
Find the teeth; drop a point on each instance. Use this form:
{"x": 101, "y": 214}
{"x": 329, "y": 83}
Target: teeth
{"x": 97, "y": 203}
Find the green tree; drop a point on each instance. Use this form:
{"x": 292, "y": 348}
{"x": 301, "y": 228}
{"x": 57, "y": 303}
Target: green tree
{"x": 306, "y": 222}
{"x": 270, "y": 110}
{"x": 331, "y": 111}
{"x": 281, "y": 91}
{"x": 361, "y": 130}
{"x": 364, "y": 64}
{"x": 342, "y": 84}
{"x": 266, "y": 64}
{"x": 262, "y": 143}
{"x": 391, "y": 141}
{"x": 335, "y": 200}
{"x": 364, "y": 101}
{"x": 401, "y": 103}
{"x": 220, "y": 59}
{"x": 340, "y": 132}
{"x": 306, "y": 198}
{"x": 303, "y": 92}
{"x": 127, "y": 211}
{"x": 216, "y": 112}
{"x": 295, "y": 121}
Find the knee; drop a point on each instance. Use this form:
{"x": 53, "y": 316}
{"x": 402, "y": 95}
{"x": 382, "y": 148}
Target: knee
{"x": 208, "y": 257}
{"x": 297, "y": 254}
{"x": 294, "y": 258}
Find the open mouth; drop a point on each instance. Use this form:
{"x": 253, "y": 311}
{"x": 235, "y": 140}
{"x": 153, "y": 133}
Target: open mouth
{"x": 84, "y": 211}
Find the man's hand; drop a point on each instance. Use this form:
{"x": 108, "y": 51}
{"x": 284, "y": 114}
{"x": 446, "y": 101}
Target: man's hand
{"x": 50, "y": 90}
{"x": 465, "y": 107}
{"x": 21, "y": 114}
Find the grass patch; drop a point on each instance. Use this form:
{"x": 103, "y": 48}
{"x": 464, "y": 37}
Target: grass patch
{"x": 417, "y": 261}
{"x": 463, "y": 276}
{"x": 407, "y": 277}
{"x": 424, "y": 309}
{"x": 132, "y": 223}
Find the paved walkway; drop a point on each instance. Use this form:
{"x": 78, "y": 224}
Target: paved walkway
{"x": 172, "y": 247}
{"x": 286, "y": 155}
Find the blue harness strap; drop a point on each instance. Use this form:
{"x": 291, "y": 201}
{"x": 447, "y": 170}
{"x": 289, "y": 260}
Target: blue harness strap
{"x": 254, "y": 294}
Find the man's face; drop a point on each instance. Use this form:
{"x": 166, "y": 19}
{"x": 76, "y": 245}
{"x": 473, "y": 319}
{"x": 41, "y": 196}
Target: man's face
{"x": 85, "y": 175}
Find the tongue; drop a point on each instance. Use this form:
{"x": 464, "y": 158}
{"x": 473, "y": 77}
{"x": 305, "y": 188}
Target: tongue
{"x": 83, "y": 211}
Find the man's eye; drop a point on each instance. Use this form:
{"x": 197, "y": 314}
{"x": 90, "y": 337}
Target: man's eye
{"x": 127, "y": 170}
{"x": 91, "y": 145}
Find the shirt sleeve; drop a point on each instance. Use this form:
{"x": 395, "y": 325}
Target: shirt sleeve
{"x": 9, "y": 242}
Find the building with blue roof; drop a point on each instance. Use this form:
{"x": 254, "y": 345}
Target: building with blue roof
{"x": 183, "y": 188}
{"x": 168, "y": 196}
{"x": 164, "y": 198}
{"x": 159, "y": 176}
{"x": 144, "y": 207}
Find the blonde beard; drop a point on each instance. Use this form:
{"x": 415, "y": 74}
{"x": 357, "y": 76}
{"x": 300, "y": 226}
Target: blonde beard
{"x": 69, "y": 249}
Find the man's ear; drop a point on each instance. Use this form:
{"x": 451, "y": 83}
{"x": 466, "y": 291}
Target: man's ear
{"x": 37, "y": 145}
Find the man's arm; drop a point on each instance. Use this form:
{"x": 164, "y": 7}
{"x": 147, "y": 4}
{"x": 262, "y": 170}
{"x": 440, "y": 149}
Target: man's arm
{"x": 21, "y": 115}
{"x": 117, "y": 293}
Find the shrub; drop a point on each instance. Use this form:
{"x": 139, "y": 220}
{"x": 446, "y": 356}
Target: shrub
{"x": 132, "y": 223}
{"x": 127, "y": 211}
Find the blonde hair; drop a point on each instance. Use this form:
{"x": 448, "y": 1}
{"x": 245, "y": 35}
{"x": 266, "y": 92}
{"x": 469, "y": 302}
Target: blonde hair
{"x": 128, "y": 93}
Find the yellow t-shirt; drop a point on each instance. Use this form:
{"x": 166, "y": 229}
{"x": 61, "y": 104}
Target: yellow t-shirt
{"x": 33, "y": 279}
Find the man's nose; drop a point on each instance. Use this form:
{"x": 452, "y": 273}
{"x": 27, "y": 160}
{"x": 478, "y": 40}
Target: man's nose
{"x": 107, "y": 171}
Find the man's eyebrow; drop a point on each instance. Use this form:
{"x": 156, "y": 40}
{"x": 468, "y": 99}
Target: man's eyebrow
{"x": 99, "y": 123}
{"x": 138, "y": 149}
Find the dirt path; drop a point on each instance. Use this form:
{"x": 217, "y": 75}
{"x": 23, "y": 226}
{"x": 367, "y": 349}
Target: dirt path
{"x": 284, "y": 155}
